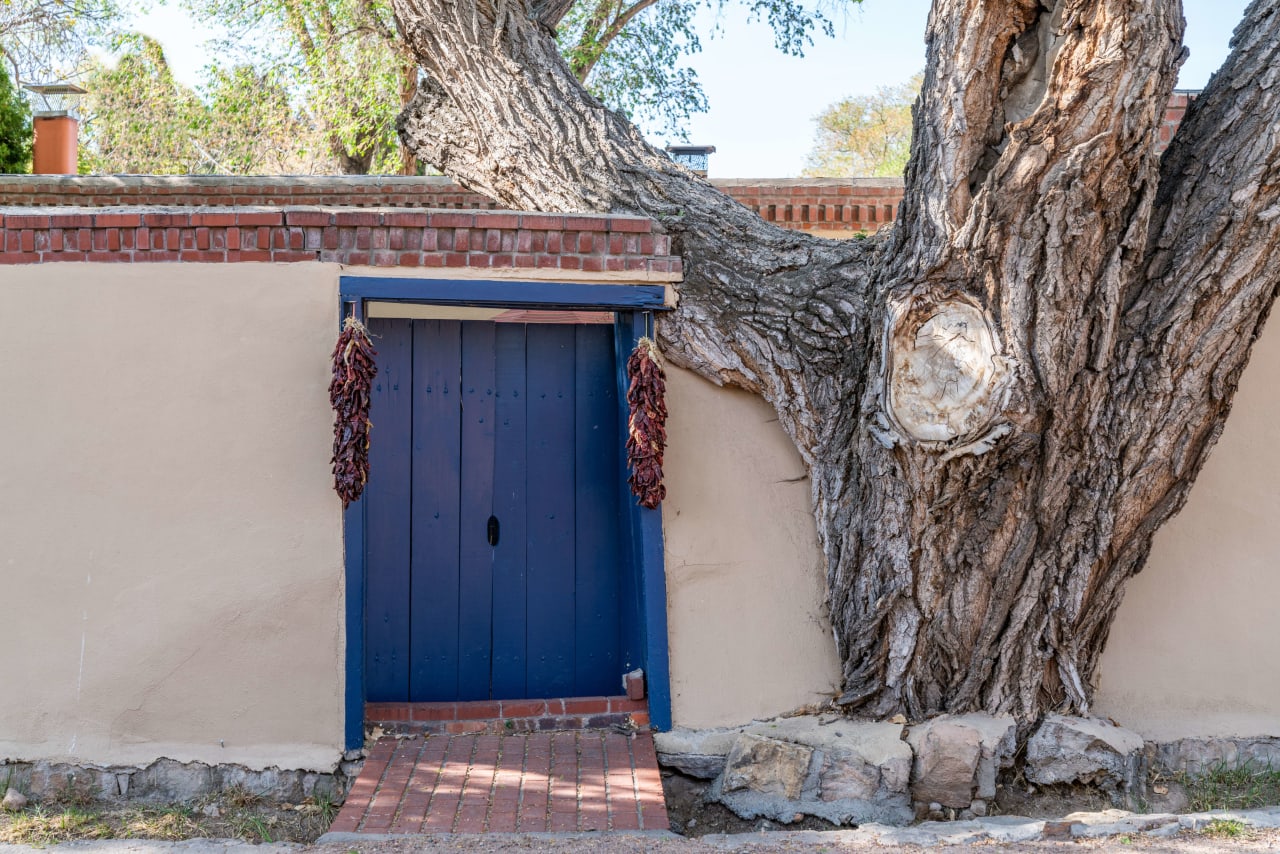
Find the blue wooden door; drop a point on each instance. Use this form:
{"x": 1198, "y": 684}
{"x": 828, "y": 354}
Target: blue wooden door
{"x": 492, "y": 514}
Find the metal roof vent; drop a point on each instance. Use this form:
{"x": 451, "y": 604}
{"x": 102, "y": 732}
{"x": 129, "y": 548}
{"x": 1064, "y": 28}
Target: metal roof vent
{"x": 692, "y": 157}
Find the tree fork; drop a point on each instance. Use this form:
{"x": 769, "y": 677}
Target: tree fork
{"x": 1001, "y": 400}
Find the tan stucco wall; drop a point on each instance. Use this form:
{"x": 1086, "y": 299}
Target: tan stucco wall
{"x": 171, "y": 550}
{"x": 748, "y": 635}
{"x": 1195, "y": 646}
{"x": 170, "y": 545}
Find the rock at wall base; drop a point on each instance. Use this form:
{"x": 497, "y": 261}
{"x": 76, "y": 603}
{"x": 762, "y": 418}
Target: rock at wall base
{"x": 1085, "y": 750}
{"x": 697, "y": 753}
{"x": 14, "y": 801}
{"x": 1196, "y": 756}
{"x": 958, "y": 757}
{"x": 767, "y": 766}
{"x": 841, "y": 770}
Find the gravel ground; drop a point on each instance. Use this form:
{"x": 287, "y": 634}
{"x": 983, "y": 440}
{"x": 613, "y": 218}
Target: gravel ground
{"x": 765, "y": 843}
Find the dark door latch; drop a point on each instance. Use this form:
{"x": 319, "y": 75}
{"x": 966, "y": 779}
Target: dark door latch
{"x": 493, "y": 530}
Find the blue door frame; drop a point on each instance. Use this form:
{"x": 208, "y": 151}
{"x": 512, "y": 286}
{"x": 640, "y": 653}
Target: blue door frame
{"x": 644, "y": 587}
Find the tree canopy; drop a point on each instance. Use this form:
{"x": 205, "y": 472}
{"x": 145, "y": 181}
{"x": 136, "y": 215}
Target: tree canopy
{"x": 867, "y": 136}
{"x": 44, "y": 40}
{"x": 628, "y": 52}
{"x": 15, "y": 127}
{"x": 342, "y": 59}
{"x": 139, "y": 119}
{"x": 349, "y": 72}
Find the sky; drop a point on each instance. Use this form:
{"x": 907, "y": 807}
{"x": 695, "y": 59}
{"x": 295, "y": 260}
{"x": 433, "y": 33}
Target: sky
{"x": 763, "y": 103}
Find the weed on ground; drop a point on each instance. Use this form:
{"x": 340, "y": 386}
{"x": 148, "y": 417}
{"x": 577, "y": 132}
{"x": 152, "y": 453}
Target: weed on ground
{"x": 1236, "y": 787}
{"x": 236, "y": 814}
{"x": 1226, "y": 828}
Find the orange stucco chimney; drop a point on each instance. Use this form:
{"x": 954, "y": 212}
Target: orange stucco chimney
{"x": 55, "y": 149}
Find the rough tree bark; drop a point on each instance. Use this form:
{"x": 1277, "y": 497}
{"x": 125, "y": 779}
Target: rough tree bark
{"x": 1003, "y": 398}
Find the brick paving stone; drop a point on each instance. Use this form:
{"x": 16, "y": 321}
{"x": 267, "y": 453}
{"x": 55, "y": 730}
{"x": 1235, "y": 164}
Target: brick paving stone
{"x": 584, "y": 780}
{"x": 593, "y": 812}
{"x": 624, "y": 812}
{"x": 653, "y": 804}
{"x": 535, "y": 783}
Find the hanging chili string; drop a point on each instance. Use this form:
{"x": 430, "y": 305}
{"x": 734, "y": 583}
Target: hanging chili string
{"x": 646, "y": 427}
{"x": 353, "y": 373}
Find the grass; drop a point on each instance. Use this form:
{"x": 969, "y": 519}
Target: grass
{"x": 1226, "y": 828}
{"x": 48, "y": 825}
{"x": 1224, "y": 787}
{"x": 66, "y": 816}
{"x": 44, "y": 826}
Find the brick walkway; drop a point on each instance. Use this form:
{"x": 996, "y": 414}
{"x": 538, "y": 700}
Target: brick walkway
{"x": 521, "y": 782}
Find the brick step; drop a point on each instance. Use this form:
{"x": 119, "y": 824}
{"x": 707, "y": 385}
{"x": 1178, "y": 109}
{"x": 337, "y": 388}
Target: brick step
{"x": 507, "y": 716}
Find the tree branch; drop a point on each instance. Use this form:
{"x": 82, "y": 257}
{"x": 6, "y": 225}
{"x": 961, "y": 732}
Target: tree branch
{"x": 549, "y": 13}
{"x": 616, "y": 27}
{"x": 587, "y": 52}
{"x": 503, "y": 113}
{"x": 1212, "y": 269}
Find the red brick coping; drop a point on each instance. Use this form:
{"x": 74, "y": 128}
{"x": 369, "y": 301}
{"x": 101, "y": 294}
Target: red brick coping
{"x": 509, "y": 715}
{"x": 377, "y": 237}
{"x": 822, "y": 204}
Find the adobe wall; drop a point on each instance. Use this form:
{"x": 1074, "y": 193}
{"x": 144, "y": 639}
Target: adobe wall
{"x": 172, "y": 549}
{"x": 1193, "y": 650}
{"x": 172, "y": 508}
{"x": 745, "y": 580}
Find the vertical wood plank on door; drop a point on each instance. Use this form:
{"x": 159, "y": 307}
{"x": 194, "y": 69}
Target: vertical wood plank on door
{"x": 475, "y": 583}
{"x": 551, "y": 569}
{"x": 509, "y": 505}
{"x": 437, "y": 363}
{"x": 386, "y": 508}
{"x": 598, "y": 552}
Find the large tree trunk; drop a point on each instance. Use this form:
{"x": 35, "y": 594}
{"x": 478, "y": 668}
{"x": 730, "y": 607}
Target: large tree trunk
{"x": 1001, "y": 400}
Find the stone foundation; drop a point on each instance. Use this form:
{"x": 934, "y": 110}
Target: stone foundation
{"x": 852, "y": 771}
{"x": 169, "y": 781}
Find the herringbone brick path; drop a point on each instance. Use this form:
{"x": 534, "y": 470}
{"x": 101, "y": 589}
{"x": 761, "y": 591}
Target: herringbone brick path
{"x": 520, "y": 782}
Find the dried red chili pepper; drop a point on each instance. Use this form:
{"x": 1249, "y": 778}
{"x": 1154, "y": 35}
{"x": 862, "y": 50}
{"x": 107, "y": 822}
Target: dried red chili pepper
{"x": 353, "y": 372}
{"x": 646, "y": 427}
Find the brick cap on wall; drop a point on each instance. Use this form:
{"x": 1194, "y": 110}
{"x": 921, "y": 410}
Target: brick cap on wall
{"x": 578, "y": 245}
{"x": 817, "y": 204}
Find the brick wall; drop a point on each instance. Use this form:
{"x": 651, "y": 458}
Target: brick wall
{"x": 820, "y": 204}
{"x": 378, "y": 237}
{"x": 1173, "y": 113}
{"x": 826, "y": 205}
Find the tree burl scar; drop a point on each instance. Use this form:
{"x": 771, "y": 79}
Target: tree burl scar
{"x": 945, "y": 372}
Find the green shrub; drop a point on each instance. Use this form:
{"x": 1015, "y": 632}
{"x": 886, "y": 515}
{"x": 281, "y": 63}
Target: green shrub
{"x": 15, "y": 127}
